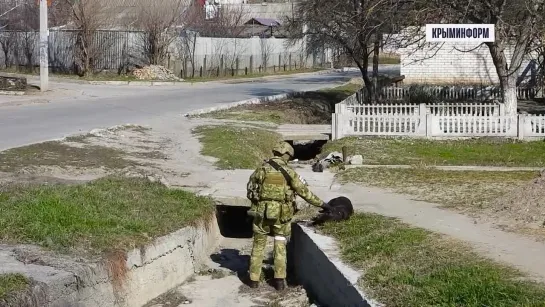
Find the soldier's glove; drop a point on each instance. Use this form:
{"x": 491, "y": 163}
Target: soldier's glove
{"x": 325, "y": 208}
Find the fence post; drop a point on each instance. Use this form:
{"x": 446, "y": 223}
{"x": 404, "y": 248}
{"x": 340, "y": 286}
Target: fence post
{"x": 185, "y": 69}
{"x": 279, "y": 60}
{"x": 203, "y": 67}
{"x": 222, "y": 66}
{"x": 251, "y": 64}
{"x": 237, "y": 65}
{"x": 423, "y": 120}
{"x": 334, "y": 124}
{"x": 521, "y": 123}
{"x": 502, "y": 109}
{"x": 289, "y": 59}
{"x": 429, "y": 126}
{"x": 341, "y": 120}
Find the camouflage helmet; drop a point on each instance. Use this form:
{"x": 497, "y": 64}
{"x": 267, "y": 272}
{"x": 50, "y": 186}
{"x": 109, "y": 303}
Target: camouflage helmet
{"x": 283, "y": 148}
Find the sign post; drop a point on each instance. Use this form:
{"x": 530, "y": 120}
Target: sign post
{"x": 44, "y": 52}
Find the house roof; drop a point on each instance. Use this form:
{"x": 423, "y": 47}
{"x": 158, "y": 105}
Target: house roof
{"x": 268, "y": 22}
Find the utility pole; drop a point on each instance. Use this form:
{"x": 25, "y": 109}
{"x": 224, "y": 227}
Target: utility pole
{"x": 44, "y": 53}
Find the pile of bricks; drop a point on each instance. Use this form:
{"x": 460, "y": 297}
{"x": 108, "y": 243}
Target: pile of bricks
{"x": 12, "y": 84}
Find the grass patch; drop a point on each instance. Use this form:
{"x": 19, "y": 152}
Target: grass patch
{"x": 12, "y": 283}
{"x": 484, "y": 152}
{"x": 310, "y": 108}
{"x": 109, "y": 213}
{"x": 55, "y": 153}
{"x": 236, "y": 147}
{"x": 460, "y": 189}
{"x": 406, "y": 266}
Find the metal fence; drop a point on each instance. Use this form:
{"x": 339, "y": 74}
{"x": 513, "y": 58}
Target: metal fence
{"x": 113, "y": 49}
{"x": 118, "y": 50}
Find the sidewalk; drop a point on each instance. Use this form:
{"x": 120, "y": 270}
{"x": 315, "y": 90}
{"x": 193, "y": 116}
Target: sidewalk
{"x": 456, "y": 167}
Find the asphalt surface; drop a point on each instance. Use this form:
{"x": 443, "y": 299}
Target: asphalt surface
{"x": 82, "y": 107}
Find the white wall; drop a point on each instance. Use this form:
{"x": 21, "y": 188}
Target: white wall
{"x": 273, "y": 51}
{"x": 451, "y": 63}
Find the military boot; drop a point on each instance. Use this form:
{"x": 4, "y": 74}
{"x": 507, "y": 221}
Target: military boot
{"x": 279, "y": 284}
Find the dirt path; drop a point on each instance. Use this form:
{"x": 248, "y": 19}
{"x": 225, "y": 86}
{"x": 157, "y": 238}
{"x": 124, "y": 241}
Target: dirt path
{"x": 170, "y": 153}
{"x": 166, "y": 153}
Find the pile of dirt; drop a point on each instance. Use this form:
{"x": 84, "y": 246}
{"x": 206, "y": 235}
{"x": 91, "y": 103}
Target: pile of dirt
{"x": 155, "y": 72}
{"x": 13, "y": 83}
{"x": 524, "y": 207}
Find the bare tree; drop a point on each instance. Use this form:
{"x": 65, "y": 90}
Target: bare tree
{"x": 266, "y": 52}
{"x": 516, "y": 23}
{"x": 10, "y": 12}
{"x": 226, "y": 29}
{"x": 7, "y": 42}
{"x": 355, "y": 26}
{"x": 88, "y": 17}
{"x": 157, "y": 20}
{"x": 8, "y": 8}
{"x": 231, "y": 19}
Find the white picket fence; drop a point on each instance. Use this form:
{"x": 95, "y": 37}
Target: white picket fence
{"x": 473, "y": 93}
{"x": 447, "y": 120}
{"x": 447, "y": 108}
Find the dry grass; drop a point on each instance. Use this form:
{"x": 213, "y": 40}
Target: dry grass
{"x": 466, "y": 190}
{"x": 483, "y": 151}
{"x": 310, "y": 108}
{"x": 407, "y": 266}
{"x": 56, "y": 153}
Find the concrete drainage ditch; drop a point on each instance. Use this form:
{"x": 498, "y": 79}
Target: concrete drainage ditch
{"x": 203, "y": 265}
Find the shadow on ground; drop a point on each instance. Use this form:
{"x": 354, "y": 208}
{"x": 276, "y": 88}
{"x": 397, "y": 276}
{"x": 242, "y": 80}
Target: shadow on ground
{"x": 234, "y": 223}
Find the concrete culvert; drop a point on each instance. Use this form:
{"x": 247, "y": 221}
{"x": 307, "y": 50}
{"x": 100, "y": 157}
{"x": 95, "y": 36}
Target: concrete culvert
{"x": 307, "y": 150}
{"x": 233, "y": 221}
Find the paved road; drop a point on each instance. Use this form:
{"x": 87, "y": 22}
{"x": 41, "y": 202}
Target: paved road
{"x": 86, "y": 107}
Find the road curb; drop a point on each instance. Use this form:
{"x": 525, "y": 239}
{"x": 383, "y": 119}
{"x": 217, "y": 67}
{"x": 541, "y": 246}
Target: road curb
{"x": 12, "y": 93}
{"x": 257, "y": 100}
{"x": 316, "y": 258}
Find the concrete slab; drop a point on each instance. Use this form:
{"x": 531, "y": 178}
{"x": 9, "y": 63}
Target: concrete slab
{"x": 292, "y": 132}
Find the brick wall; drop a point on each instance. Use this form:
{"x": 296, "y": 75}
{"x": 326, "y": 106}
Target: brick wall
{"x": 451, "y": 63}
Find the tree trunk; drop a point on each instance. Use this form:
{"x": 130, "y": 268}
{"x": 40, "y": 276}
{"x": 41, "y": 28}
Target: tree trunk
{"x": 509, "y": 94}
{"x": 366, "y": 80}
{"x": 376, "y": 53}
{"x": 508, "y": 75}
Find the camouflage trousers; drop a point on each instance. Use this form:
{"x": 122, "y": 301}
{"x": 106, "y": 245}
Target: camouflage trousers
{"x": 262, "y": 229}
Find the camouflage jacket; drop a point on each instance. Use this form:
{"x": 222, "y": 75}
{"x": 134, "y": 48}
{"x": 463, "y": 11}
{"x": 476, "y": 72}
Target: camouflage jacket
{"x": 266, "y": 176}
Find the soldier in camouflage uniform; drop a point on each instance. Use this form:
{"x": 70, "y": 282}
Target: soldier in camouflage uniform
{"x": 272, "y": 189}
